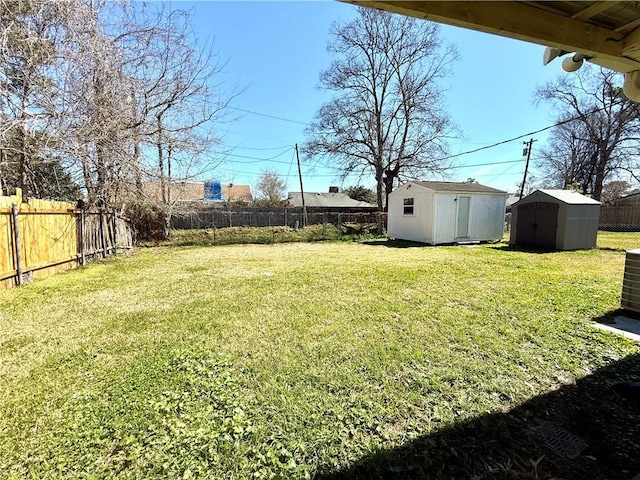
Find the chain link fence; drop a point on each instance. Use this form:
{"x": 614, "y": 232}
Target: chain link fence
{"x": 619, "y": 227}
{"x": 624, "y": 218}
{"x": 276, "y": 217}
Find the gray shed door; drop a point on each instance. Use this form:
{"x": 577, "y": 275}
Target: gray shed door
{"x": 537, "y": 224}
{"x": 464, "y": 204}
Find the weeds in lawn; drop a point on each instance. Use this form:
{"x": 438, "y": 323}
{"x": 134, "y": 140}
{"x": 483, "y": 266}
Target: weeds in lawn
{"x": 266, "y": 235}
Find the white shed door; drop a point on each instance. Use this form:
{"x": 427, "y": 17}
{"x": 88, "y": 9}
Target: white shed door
{"x": 464, "y": 204}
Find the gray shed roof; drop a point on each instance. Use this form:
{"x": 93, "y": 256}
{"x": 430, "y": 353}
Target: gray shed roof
{"x": 336, "y": 200}
{"x": 569, "y": 197}
{"x": 459, "y": 187}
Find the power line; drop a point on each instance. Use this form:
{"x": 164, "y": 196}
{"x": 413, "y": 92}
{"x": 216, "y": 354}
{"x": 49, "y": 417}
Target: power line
{"x": 263, "y": 149}
{"x": 260, "y": 159}
{"x": 293, "y": 175}
{"x": 488, "y": 164}
{"x": 557, "y": 124}
{"x": 293, "y": 157}
{"x": 269, "y": 116}
{"x": 494, "y": 175}
{"x": 486, "y": 147}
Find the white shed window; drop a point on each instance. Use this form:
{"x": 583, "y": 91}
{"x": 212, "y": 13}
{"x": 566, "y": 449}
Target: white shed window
{"x": 408, "y": 206}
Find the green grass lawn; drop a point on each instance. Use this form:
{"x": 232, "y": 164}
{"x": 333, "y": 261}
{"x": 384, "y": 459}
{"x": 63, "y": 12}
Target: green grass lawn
{"x": 321, "y": 360}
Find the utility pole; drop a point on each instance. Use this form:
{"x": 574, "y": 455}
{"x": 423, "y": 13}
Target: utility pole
{"x": 527, "y": 149}
{"x": 304, "y": 207}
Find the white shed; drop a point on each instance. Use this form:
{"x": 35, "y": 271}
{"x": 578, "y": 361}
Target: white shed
{"x": 555, "y": 219}
{"x": 446, "y": 212}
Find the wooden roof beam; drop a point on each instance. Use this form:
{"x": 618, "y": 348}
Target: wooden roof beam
{"x": 627, "y": 27}
{"x": 592, "y": 10}
{"x": 524, "y": 22}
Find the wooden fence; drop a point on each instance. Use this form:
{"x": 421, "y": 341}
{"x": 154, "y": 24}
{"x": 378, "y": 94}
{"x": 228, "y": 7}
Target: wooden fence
{"x": 41, "y": 238}
{"x": 620, "y": 218}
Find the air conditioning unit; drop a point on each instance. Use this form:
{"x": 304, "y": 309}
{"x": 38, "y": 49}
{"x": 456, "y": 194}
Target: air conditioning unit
{"x": 631, "y": 282}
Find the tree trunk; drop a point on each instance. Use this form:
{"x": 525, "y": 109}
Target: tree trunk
{"x": 24, "y": 144}
{"x": 598, "y": 181}
{"x": 23, "y": 167}
{"x": 379, "y": 194}
{"x": 163, "y": 183}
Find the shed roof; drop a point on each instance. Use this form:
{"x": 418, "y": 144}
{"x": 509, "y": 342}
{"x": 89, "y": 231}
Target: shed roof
{"x": 337, "y": 200}
{"x": 459, "y": 187}
{"x": 569, "y": 197}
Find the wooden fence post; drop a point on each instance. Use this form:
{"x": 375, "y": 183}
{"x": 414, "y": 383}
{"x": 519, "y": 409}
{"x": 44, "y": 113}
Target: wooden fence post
{"x": 324, "y": 225}
{"x": 103, "y": 240}
{"x": 16, "y": 240}
{"x": 115, "y": 234}
{"x": 83, "y": 258}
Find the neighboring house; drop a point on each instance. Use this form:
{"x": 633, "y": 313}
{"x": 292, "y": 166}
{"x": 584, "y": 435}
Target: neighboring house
{"x": 236, "y": 193}
{"x": 446, "y": 212}
{"x": 195, "y": 192}
{"x": 629, "y": 200}
{"x": 179, "y": 191}
{"x": 511, "y": 199}
{"x": 555, "y": 219}
{"x": 328, "y": 200}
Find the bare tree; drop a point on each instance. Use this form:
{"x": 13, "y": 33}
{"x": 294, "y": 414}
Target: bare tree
{"x": 614, "y": 190}
{"x": 28, "y": 38}
{"x": 118, "y": 94}
{"x": 560, "y": 160}
{"x": 175, "y": 104}
{"x": 96, "y": 106}
{"x": 270, "y": 189}
{"x": 599, "y": 134}
{"x": 387, "y": 116}
{"x": 181, "y": 106}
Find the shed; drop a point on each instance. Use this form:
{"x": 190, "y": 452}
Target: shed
{"x": 446, "y": 212}
{"x": 555, "y": 219}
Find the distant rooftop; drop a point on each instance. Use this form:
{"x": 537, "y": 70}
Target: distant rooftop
{"x": 459, "y": 187}
{"x": 194, "y": 192}
{"x": 335, "y": 200}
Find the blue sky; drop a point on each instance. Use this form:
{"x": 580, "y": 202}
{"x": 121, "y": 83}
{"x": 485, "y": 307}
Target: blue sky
{"x": 278, "y": 49}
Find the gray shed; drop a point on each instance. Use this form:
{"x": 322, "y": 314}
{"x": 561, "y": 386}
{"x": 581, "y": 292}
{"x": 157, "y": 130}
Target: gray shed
{"x": 555, "y": 219}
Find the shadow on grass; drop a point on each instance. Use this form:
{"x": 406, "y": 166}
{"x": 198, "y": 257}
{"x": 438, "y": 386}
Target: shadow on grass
{"x": 522, "y": 248}
{"x": 612, "y": 249}
{"x": 509, "y": 445}
{"x": 389, "y": 243}
{"x": 610, "y": 316}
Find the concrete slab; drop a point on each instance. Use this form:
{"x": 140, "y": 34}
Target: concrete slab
{"x": 628, "y": 327}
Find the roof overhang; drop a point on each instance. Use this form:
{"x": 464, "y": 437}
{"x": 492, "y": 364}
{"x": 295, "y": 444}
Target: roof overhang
{"x": 606, "y": 32}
